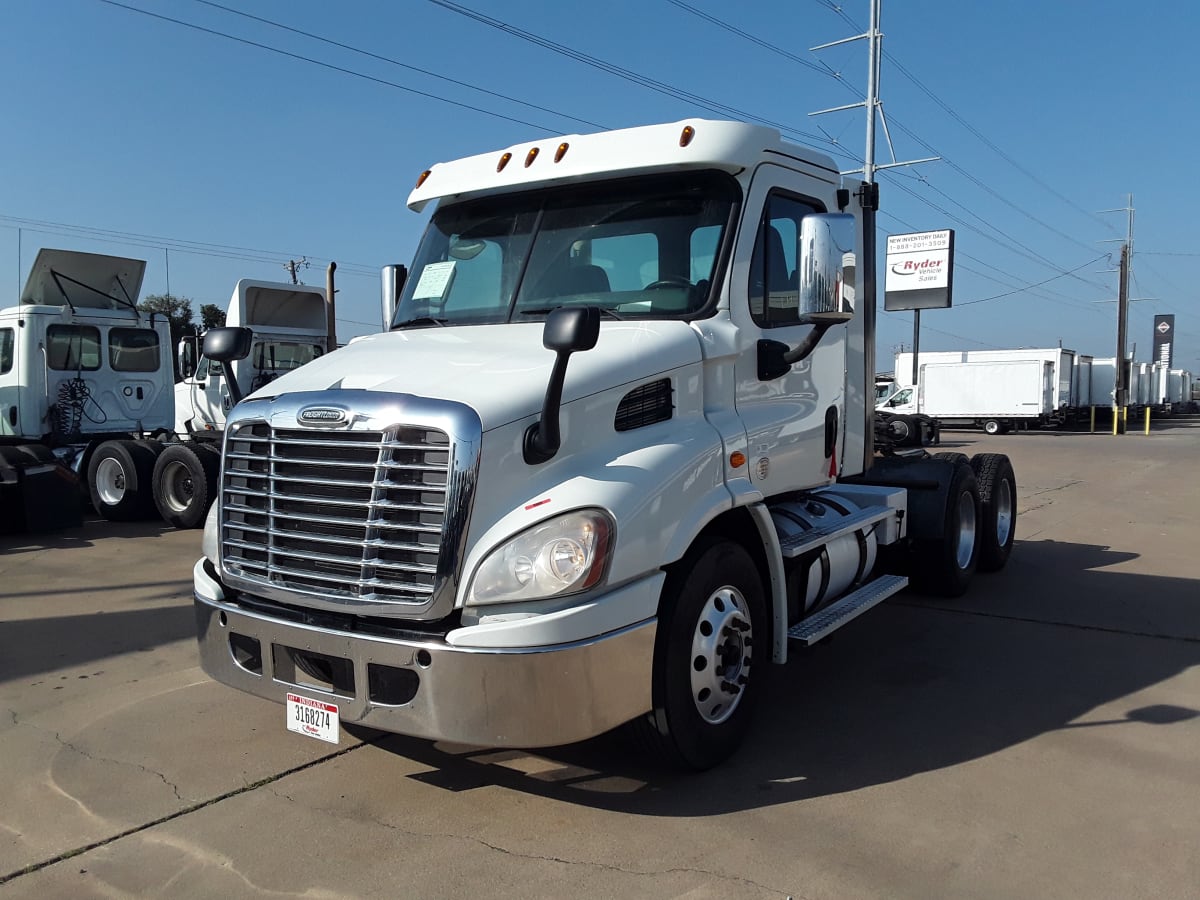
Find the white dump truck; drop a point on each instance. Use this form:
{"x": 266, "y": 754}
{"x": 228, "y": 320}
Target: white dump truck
{"x": 612, "y": 454}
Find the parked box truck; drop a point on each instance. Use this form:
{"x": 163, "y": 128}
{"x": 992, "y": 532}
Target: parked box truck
{"x": 995, "y": 396}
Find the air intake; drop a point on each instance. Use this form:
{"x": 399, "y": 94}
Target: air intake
{"x": 645, "y": 405}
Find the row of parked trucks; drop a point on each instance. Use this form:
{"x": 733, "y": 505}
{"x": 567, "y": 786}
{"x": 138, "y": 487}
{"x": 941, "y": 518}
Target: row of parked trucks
{"x": 1002, "y": 390}
{"x": 89, "y": 399}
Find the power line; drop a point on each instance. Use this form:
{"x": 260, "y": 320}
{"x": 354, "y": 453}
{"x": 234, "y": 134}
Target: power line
{"x": 325, "y": 65}
{"x": 396, "y": 62}
{"x": 623, "y": 73}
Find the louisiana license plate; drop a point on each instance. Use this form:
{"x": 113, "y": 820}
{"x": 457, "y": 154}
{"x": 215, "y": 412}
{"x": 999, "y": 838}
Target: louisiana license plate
{"x": 313, "y": 718}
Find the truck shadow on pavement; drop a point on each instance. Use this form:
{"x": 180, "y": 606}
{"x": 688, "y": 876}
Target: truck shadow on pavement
{"x": 914, "y": 686}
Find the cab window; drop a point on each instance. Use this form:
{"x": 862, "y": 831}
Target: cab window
{"x": 133, "y": 350}
{"x": 774, "y": 268}
{"x": 6, "y": 350}
{"x": 73, "y": 348}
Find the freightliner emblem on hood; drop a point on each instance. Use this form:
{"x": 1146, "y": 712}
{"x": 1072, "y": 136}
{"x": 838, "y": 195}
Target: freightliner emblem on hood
{"x": 321, "y": 415}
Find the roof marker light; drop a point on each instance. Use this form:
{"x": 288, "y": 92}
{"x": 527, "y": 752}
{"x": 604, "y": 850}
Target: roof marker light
{"x": 503, "y": 162}
{"x": 685, "y": 137}
{"x": 561, "y": 152}
{"x": 531, "y": 156}
{"x": 424, "y": 175}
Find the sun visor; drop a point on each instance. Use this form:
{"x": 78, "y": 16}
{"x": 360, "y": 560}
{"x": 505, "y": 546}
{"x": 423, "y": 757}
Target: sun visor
{"x": 89, "y": 280}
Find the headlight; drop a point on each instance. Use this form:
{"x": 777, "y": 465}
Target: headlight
{"x": 562, "y": 556}
{"x": 211, "y": 544}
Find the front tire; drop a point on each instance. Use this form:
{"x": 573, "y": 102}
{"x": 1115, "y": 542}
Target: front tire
{"x": 991, "y": 426}
{"x": 712, "y": 619}
{"x": 998, "y": 506}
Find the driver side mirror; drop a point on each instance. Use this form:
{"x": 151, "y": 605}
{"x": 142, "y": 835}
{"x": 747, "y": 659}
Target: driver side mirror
{"x": 827, "y": 269}
{"x": 185, "y": 356}
{"x": 225, "y": 345}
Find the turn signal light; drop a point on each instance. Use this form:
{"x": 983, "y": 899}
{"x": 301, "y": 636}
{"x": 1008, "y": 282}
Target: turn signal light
{"x": 737, "y": 459}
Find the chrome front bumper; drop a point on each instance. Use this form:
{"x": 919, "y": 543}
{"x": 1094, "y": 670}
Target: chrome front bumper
{"x": 510, "y": 697}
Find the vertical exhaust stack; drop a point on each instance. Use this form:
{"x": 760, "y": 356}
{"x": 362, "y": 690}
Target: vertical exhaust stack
{"x": 330, "y": 318}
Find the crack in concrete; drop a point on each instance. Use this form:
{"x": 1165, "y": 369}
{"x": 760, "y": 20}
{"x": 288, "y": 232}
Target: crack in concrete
{"x": 195, "y": 807}
{"x": 63, "y": 742}
{"x": 608, "y": 867}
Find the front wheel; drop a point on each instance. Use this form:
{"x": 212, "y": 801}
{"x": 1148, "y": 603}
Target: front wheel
{"x": 712, "y": 619}
{"x": 991, "y": 426}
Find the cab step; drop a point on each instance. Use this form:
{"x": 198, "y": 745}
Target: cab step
{"x": 817, "y": 537}
{"x": 810, "y": 630}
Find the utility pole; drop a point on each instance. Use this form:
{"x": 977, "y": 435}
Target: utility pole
{"x": 868, "y": 195}
{"x": 1121, "y": 394}
{"x": 1121, "y": 373}
{"x": 294, "y": 264}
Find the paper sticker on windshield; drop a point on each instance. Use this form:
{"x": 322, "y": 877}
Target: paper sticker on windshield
{"x": 435, "y": 282}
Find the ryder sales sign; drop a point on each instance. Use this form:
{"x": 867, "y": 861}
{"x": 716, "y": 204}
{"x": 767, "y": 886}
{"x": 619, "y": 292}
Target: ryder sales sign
{"x": 919, "y": 271}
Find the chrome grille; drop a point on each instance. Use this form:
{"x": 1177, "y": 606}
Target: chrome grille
{"x": 357, "y": 515}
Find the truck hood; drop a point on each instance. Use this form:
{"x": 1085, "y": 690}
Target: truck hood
{"x": 500, "y": 371}
{"x": 115, "y": 276}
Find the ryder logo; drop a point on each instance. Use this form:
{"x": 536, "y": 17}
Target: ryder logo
{"x": 917, "y": 267}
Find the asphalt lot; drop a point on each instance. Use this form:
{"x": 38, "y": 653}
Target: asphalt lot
{"x": 1038, "y": 738}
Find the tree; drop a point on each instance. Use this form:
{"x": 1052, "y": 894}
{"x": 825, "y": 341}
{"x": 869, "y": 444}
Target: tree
{"x": 211, "y": 316}
{"x": 178, "y": 311}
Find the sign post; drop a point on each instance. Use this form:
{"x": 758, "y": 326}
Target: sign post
{"x": 920, "y": 275}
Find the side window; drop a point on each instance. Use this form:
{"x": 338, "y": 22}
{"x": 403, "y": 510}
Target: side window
{"x": 133, "y": 350}
{"x": 774, "y": 278}
{"x": 71, "y": 348}
{"x": 902, "y": 398}
{"x": 6, "y": 350}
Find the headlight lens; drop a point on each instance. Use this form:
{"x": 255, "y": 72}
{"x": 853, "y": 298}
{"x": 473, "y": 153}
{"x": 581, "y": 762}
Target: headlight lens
{"x": 562, "y": 556}
{"x": 211, "y": 543}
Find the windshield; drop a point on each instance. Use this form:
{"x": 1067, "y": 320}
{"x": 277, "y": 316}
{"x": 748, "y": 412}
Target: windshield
{"x": 639, "y": 248}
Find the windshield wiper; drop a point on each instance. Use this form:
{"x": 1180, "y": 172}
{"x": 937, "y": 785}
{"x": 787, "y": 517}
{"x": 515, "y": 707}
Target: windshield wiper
{"x": 546, "y": 310}
{"x": 421, "y": 320}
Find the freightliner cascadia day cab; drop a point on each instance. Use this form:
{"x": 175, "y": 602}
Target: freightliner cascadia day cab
{"x": 613, "y": 452}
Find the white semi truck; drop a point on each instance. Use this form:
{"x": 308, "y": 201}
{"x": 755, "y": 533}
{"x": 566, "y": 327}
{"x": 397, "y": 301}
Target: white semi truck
{"x": 614, "y": 451}
{"x": 87, "y": 381}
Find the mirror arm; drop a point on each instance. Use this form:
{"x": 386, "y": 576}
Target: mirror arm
{"x": 809, "y": 344}
{"x": 543, "y": 438}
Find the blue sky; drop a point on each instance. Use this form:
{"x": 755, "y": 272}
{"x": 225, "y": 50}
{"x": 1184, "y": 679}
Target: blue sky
{"x": 223, "y": 160}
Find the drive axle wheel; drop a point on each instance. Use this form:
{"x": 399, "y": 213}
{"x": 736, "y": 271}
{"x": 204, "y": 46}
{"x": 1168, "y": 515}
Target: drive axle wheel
{"x": 119, "y": 475}
{"x": 185, "y": 483}
{"x": 711, "y": 620}
{"x": 998, "y": 502}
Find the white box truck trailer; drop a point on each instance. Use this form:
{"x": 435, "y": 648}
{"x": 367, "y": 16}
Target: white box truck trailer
{"x": 995, "y": 396}
{"x": 612, "y": 454}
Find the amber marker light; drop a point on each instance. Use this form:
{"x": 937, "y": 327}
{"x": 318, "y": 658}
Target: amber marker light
{"x": 561, "y": 151}
{"x": 737, "y": 459}
{"x": 421, "y": 180}
{"x": 503, "y": 162}
{"x": 531, "y": 156}
{"x": 685, "y": 136}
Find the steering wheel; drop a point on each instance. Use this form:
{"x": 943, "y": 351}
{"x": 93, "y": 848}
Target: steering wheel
{"x": 672, "y": 281}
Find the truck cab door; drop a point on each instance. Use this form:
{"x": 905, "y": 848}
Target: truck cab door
{"x": 209, "y": 396}
{"x": 10, "y": 380}
{"x": 794, "y": 422}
